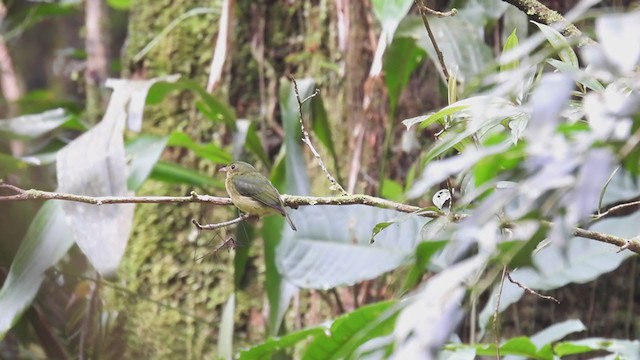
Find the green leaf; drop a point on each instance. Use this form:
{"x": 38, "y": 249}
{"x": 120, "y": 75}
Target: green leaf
{"x": 350, "y": 331}
{"x": 45, "y": 243}
{"x": 560, "y": 44}
{"x": 274, "y": 344}
{"x": 9, "y": 164}
{"x": 244, "y": 235}
{"x": 209, "y": 151}
{"x": 511, "y": 43}
{"x": 210, "y": 106}
{"x": 401, "y": 59}
{"x": 143, "y": 152}
{"x": 624, "y": 349}
{"x": 424, "y": 253}
{"x": 392, "y": 190}
{"x": 120, "y": 4}
{"x": 176, "y": 174}
{"x": 254, "y": 144}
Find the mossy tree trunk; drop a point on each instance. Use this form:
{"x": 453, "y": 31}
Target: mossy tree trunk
{"x": 177, "y": 308}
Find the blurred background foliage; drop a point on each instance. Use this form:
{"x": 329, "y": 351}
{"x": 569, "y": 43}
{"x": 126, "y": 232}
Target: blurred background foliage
{"x": 530, "y": 131}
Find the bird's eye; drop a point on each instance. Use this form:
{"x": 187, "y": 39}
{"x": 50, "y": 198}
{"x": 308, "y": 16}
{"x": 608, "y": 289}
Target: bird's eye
{"x": 233, "y": 167}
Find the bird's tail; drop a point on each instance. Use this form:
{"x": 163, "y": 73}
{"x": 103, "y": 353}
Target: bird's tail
{"x": 286, "y": 216}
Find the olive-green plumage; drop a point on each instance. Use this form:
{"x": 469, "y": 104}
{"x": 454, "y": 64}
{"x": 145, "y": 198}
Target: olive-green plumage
{"x": 252, "y": 192}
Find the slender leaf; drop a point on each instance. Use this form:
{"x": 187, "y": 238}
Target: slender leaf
{"x": 206, "y": 151}
{"x": 511, "y": 43}
{"x": 560, "y": 44}
{"x": 46, "y": 241}
{"x": 94, "y": 164}
{"x": 176, "y": 174}
{"x": 274, "y": 344}
{"x": 225, "y": 336}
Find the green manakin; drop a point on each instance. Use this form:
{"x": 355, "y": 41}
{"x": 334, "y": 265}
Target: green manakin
{"x": 252, "y": 192}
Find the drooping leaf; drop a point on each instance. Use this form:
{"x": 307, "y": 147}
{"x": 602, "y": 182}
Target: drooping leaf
{"x": 401, "y": 58}
{"x": 176, "y": 174}
{"x": 210, "y": 106}
{"x": 134, "y": 93}
{"x": 46, "y": 241}
{"x": 94, "y": 164}
{"x": 390, "y": 13}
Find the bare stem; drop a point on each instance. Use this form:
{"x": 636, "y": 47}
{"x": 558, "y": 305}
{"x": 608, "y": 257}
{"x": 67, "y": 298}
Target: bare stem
{"x": 334, "y": 183}
{"x": 526, "y": 289}
{"x": 423, "y": 13}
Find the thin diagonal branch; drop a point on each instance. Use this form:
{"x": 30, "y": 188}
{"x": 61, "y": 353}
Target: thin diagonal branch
{"x": 526, "y": 289}
{"x": 334, "y": 183}
{"x": 423, "y": 13}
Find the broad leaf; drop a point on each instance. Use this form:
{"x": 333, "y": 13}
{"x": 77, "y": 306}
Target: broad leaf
{"x": 94, "y": 164}
{"x": 401, "y": 58}
{"x": 331, "y": 247}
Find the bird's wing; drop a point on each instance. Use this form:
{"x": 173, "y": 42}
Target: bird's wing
{"x": 255, "y": 189}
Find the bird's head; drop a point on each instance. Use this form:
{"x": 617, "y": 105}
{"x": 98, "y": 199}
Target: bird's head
{"x": 238, "y": 168}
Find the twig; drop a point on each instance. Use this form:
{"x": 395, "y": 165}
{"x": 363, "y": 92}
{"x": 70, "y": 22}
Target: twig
{"x": 228, "y": 244}
{"x": 220, "y": 225}
{"x": 630, "y": 206}
{"x": 292, "y": 201}
{"x": 32, "y": 194}
{"x": 526, "y": 289}
{"x": 334, "y": 183}
{"x": 423, "y": 13}
{"x": 496, "y": 313}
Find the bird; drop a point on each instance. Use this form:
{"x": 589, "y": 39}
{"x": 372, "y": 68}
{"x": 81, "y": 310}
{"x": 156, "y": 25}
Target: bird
{"x": 252, "y": 192}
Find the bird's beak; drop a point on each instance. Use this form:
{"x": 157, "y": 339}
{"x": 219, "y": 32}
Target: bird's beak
{"x": 224, "y": 169}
